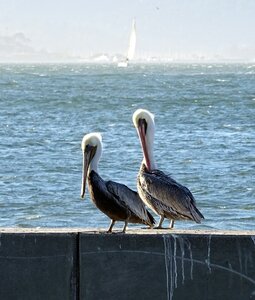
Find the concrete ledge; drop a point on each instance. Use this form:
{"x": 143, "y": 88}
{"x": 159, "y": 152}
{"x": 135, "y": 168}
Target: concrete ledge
{"x": 129, "y": 231}
{"x": 143, "y": 264}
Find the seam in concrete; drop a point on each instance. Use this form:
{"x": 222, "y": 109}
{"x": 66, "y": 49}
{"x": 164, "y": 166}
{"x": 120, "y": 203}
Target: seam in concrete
{"x": 75, "y": 277}
{"x": 78, "y": 277}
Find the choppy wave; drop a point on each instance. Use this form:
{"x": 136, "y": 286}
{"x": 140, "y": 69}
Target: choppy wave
{"x": 205, "y": 137}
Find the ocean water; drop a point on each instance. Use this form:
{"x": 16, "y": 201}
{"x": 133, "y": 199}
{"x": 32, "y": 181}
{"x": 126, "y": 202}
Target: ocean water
{"x": 205, "y": 138}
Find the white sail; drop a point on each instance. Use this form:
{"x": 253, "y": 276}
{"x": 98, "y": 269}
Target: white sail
{"x": 131, "y": 47}
{"x": 132, "y": 42}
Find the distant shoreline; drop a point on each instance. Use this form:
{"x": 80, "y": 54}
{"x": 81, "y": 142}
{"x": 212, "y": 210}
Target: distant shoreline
{"x": 154, "y": 62}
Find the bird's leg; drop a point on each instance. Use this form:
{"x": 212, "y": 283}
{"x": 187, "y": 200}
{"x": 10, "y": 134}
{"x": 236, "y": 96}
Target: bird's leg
{"x": 160, "y": 223}
{"x": 171, "y": 224}
{"x": 111, "y": 226}
{"x": 150, "y": 226}
{"x": 125, "y": 226}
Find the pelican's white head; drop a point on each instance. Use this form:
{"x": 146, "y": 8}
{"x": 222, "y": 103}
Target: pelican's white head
{"x": 92, "y": 139}
{"x": 145, "y": 126}
{"x": 91, "y": 146}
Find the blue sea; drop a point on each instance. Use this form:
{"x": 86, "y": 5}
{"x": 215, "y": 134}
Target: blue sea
{"x": 205, "y": 138}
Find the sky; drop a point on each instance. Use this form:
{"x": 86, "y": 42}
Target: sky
{"x": 165, "y": 28}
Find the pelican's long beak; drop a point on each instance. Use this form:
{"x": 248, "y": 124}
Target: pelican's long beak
{"x": 88, "y": 155}
{"x": 142, "y": 128}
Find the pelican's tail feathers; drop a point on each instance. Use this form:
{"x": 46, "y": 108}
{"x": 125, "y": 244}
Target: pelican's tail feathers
{"x": 151, "y": 220}
{"x": 197, "y": 215}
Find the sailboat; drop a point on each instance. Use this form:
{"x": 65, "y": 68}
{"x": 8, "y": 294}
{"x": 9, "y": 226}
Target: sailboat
{"x": 131, "y": 47}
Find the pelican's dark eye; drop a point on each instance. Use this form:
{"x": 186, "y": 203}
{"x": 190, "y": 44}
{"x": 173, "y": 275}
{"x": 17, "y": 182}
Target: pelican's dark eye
{"x": 87, "y": 148}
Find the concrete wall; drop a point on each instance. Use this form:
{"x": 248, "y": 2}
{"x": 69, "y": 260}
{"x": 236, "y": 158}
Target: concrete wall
{"x": 145, "y": 265}
{"x": 38, "y": 266}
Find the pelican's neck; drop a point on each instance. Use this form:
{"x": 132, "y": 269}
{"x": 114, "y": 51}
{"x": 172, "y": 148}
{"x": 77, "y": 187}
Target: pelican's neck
{"x": 151, "y": 157}
{"x": 94, "y": 162}
{"x": 149, "y": 143}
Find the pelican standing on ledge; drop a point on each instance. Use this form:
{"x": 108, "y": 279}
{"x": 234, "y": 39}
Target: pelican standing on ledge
{"x": 166, "y": 197}
{"x": 115, "y": 200}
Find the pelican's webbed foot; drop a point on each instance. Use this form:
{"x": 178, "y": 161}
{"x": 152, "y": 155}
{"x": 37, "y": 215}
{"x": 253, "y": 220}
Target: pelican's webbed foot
{"x": 158, "y": 227}
{"x": 160, "y": 223}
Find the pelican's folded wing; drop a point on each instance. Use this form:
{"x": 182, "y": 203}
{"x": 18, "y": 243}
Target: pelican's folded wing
{"x": 129, "y": 198}
{"x": 170, "y": 193}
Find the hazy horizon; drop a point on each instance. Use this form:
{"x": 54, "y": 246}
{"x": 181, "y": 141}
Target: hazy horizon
{"x": 166, "y": 30}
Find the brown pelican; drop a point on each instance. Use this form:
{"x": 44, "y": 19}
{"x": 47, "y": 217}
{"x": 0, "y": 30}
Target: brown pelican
{"x": 115, "y": 200}
{"x": 160, "y": 192}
